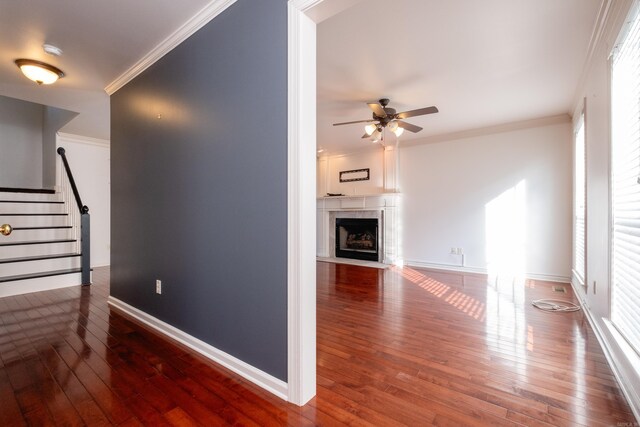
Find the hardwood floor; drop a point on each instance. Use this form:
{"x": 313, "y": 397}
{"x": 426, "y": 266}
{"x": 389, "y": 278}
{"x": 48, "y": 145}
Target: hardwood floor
{"x": 395, "y": 347}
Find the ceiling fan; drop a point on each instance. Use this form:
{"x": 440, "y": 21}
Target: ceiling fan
{"x": 386, "y": 117}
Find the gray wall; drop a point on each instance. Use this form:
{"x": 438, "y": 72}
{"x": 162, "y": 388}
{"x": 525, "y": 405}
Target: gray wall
{"x": 199, "y": 195}
{"x": 28, "y": 143}
{"x": 20, "y": 143}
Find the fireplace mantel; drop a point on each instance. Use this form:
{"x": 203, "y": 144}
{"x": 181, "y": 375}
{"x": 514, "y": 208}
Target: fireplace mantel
{"x": 383, "y": 206}
{"x": 357, "y": 201}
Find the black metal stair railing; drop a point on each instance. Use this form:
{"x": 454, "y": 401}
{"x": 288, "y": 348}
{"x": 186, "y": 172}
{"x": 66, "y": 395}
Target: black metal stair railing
{"x": 85, "y": 223}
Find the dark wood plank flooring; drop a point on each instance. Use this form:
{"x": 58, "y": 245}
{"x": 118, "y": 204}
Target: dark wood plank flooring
{"x": 395, "y": 347}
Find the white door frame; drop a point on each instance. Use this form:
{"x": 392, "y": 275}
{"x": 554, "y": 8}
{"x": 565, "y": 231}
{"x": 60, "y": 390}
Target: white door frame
{"x": 301, "y": 203}
{"x": 303, "y": 15}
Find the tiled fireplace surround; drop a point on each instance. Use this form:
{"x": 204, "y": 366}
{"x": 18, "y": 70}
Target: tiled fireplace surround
{"x": 383, "y": 207}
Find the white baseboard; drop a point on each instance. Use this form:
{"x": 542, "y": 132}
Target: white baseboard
{"x": 623, "y": 380}
{"x": 480, "y": 270}
{"x": 256, "y": 376}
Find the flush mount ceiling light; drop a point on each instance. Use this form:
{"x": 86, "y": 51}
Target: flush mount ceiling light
{"x": 39, "y": 72}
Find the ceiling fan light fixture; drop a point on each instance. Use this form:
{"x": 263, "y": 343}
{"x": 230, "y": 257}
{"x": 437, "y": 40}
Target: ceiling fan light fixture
{"x": 376, "y": 135}
{"x": 39, "y": 72}
{"x": 370, "y": 128}
{"x": 398, "y": 131}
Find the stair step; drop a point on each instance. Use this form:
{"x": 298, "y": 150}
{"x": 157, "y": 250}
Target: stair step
{"x": 31, "y": 234}
{"x": 28, "y": 235}
{"x": 39, "y": 257}
{"x": 53, "y": 227}
{"x": 39, "y": 264}
{"x": 27, "y": 190}
{"x": 37, "y": 242}
{"x": 31, "y": 201}
{"x": 32, "y": 214}
{"x": 21, "y": 221}
{"x": 42, "y": 197}
{"x": 31, "y": 207}
{"x": 41, "y": 282}
{"x": 41, "y": 248}
{"x": 38, "y": 275}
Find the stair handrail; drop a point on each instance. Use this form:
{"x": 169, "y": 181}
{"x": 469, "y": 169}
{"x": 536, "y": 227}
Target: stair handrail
{"x": 81, "y": 207}
{"x": 85, "y": 224}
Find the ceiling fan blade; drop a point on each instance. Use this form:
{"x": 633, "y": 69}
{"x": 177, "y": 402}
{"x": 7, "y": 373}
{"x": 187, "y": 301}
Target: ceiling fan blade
{"x": 418, "y": 112}
{"x": 357, "y": 121}
{"x": 409, "y": 126}
{"x": 366, "y": 135}
{"x": 377, "y": 109}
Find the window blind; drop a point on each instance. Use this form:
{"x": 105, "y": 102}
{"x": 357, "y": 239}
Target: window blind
{"x": 625, "y": 186}
{"x": 579, "y": 206}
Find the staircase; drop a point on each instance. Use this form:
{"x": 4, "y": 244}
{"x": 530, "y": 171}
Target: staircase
{"x": 41, "y": 245}
{"x": 44, "y": 248}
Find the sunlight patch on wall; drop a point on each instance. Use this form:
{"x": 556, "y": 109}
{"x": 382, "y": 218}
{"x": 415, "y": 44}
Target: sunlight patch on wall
{"x": 505, "y": 234}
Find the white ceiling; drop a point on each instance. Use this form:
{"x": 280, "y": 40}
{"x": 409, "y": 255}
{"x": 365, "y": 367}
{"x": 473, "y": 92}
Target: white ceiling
{"x": 100, "y": 40}
{"x": 482, "y": 63}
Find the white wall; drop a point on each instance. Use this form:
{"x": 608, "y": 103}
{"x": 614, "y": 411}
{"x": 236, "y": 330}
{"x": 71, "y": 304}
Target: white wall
{"x": 329, "y": 168}
{"x": 595, "y": 90}
{"x": 89, "y": 159}
{"x": 504, "y": 198}
{"x": 502, "y": 195}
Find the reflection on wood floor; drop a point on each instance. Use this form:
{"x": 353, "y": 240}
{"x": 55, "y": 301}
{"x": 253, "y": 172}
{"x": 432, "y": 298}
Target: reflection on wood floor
{"x": 395, "y": 347}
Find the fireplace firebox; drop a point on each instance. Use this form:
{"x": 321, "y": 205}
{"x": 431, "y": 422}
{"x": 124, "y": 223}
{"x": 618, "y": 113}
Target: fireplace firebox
{"x": 357, "y": 238}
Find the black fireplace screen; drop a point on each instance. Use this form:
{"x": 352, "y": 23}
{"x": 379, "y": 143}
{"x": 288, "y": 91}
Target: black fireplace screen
{"x": 357, "y": 238}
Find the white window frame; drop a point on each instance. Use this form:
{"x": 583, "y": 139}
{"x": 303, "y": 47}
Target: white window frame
{"x": 580, "y": 187}
{"x": 624, "y": 316}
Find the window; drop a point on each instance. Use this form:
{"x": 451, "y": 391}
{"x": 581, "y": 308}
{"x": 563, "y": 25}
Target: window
{"x": 579, "y": 206}
{"x": 625, "y": 185}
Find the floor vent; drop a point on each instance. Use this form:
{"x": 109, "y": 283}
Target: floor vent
{"x": 560, "y": 289}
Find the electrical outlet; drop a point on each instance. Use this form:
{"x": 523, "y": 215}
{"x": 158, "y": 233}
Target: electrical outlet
{"x": 158, "y": 287}
{"x": 460, "y": 251}
{"x": 453, "y": 251}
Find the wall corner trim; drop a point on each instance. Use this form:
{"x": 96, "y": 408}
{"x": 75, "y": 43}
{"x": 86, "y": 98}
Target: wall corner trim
{"x": 301, "y": 205}
{"x": 256, "y": 376}
{"x": 199, "y": 20}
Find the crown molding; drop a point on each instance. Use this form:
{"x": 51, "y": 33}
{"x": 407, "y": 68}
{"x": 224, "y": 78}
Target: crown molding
{"x": 79, "y": 139}
{"x": 199, "y": 20}
{"x": 304, "y": 5}
{"x": 490, "y": 130}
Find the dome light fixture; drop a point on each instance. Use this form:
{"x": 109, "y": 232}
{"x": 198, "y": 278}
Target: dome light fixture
{"x": 39, "y": 72}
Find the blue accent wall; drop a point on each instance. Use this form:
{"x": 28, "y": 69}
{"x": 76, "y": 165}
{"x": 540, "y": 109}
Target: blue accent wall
{"x": 199, "y": 186}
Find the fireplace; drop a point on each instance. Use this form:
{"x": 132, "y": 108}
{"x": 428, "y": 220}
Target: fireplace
{"x": 357, "y": 238}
